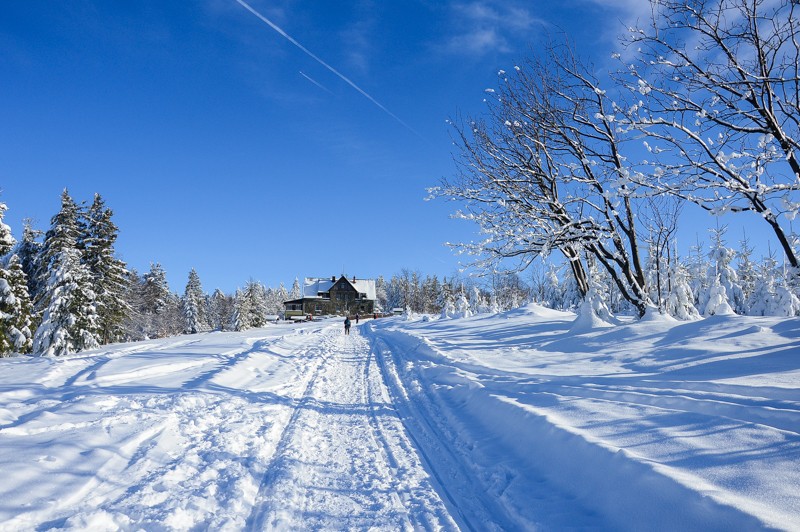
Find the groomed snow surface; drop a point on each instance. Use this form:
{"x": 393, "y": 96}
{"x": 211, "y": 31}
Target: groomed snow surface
{"x": 489, "y": 423}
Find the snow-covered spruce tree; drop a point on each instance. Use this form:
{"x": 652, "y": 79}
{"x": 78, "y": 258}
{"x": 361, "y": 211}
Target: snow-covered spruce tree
{"x": 382, "y": 299}
{"x": 572, "y": 298}
{"x": 64, "y": 233}
{"x": 746, "y": 268}
{"x": 109, "y": 273}
{"x": 717, "y": 304}
{"x": 462, "y": 306}
{"x": 553, "y": 291}
{"x": 193, "y": 305}
{"x": 445, "y": 296}
{"x": 785, "y": 303}
{"x": 296, "y": 292}
{"x": 680, "y": 302}
{"x": 28, "y": 250}
{"x": 281, "y": 295}
{"x": 717, "y": 86}
{"x": 15, "y": 309}
{"x": 220, "y": 310}
{"x": 697, "y": 269}
{"x": 721, "y": 269}
{"x": 69, "y": 323}
{"x": 239, "y": 319}
{"x": 15, "y": 334}
{"x": 547, "y": 171}
{"x": 762, "y": 300}
{"x": 155, "y": 290}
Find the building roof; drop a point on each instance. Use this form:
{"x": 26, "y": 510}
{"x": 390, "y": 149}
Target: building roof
{"x": 313, "y": 286}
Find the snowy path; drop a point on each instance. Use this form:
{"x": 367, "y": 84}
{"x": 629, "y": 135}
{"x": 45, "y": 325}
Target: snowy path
{"x": 343, "y": 461}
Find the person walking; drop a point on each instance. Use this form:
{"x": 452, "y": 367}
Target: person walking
{"x": 347, "y": 325}
{"x": 356, "y": 318}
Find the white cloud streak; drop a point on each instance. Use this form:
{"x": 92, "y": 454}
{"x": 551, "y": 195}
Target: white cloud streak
{"x": 315, "y": 83}
{"x": 326, "y": 65}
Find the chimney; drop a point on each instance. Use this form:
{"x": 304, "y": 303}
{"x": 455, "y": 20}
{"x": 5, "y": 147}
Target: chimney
{"x": 333, "y": 278}
{"x": 354, "y": 279}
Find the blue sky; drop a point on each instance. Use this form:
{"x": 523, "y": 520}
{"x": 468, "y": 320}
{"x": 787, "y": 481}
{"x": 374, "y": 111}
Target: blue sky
{"x": 194, "y": 122}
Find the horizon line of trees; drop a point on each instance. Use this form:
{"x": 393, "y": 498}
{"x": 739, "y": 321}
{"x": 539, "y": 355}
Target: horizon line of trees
{"x": 64, "y": 290}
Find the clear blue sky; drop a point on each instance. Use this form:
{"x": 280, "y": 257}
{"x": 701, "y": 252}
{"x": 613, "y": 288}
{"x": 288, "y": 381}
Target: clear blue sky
{"x": 193, "y": 121}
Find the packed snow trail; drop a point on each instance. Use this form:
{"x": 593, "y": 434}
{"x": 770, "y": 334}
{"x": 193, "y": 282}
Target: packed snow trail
{"x": 343, "y": 461}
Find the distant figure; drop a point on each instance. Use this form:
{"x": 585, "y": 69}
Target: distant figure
{"x": 375, "y": 316}
{"x": 356, "y": 319}
{"x": 347, "y": 325}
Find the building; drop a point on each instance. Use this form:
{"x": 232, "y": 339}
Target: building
{"x": 343, "y": 297}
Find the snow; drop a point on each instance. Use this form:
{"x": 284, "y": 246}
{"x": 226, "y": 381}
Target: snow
{"x": 497, "y": 422}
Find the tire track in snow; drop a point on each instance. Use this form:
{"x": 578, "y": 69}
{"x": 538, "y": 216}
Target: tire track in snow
{"x": 344, "y": 461}
{"x": 466, "y": 497}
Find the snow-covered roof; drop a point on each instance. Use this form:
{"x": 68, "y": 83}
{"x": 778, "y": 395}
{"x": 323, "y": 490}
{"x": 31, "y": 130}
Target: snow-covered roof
{"x": 313, "y": 286}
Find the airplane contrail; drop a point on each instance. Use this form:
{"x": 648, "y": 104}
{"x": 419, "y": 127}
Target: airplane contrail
{"x": 326, "y": 65}
{"x": 315, "y": 83}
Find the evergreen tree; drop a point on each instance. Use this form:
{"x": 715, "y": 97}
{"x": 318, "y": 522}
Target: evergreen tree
{"x": 193, "y": 305}
{"x": 14, "y": 304}
{"x": 240, "y": 321}
{"x": 553, "y": 291}
{"x": 64, "y": 234}
{"x": 219, "y": 310}
{"x": 762, "y": 300}
{"x": 28, "y": 250}
{"x": 69, "y": 323}
{"x": 381, "y": 297}
{"x": 109, "y": 273}
{"x": 680, "y": 302}
{"x": 296, "y": 292}
{"x": 15, "y": 310}
{"x": 746, "y": 268}
{"x": 721, "y": 269}
{"x": 155, "y": 290}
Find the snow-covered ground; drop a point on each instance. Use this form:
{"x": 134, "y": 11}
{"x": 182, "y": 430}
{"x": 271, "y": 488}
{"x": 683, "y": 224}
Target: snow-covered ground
{"x": 495, "y": 422}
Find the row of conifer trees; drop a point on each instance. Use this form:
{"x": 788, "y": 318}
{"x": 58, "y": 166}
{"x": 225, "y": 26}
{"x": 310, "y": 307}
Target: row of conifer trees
{"x": 65, "y": 290}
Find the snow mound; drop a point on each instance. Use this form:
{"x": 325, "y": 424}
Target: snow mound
{"x": 653, "y": 315}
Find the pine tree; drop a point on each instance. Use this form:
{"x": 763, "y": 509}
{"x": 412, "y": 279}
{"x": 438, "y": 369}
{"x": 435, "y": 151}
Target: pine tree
{"x": 109, "y": 273}
{"x": 193, "y": 305}
{"x": 69, "y": 323}
{"x": 553, "y": 291}
{"x": 240, "y": 321}
{"x": 746, "y": 268}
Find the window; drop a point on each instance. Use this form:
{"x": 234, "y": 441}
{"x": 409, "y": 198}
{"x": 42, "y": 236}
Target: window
{"x": 338, "y": 296}
{"x": 319, "y": 308}
{"x": 338, "y": 308}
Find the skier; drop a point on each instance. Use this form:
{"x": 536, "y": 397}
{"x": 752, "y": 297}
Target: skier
{"x": 347, "y": 325}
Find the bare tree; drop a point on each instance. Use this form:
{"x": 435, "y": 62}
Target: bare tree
{"x": 719, "y": 101}
{"x": 546, "y": 172}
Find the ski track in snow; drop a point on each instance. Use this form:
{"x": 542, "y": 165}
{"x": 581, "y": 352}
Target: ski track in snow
{"x": 492, "y": 423}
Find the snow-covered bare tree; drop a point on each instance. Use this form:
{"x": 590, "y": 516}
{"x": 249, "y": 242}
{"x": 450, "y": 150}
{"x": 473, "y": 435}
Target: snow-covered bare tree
{"x": 719, "y": 102}
{"x": 547, "y": 171}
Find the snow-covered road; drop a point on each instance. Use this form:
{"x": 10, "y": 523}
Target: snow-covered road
{"x": 493, "y": 423}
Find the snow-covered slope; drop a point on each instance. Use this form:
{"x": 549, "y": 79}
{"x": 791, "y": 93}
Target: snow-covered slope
{"x": 653, "y": 425}
{"x": 494, "y": 422}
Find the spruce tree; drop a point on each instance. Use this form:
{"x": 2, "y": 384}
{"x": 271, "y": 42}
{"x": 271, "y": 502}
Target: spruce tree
{"x": 64, "y": 234}
{"x": 296, "y": 292}
{"x": 28, "y": 250}
{"x": 109, "y": 273}
{"x": 155, "y": 289}
{"x": 193, "y": 305}
{"x": 69, "y": 323}
{"x": 14, "y": 305}
{"x": 15, "y": 309}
